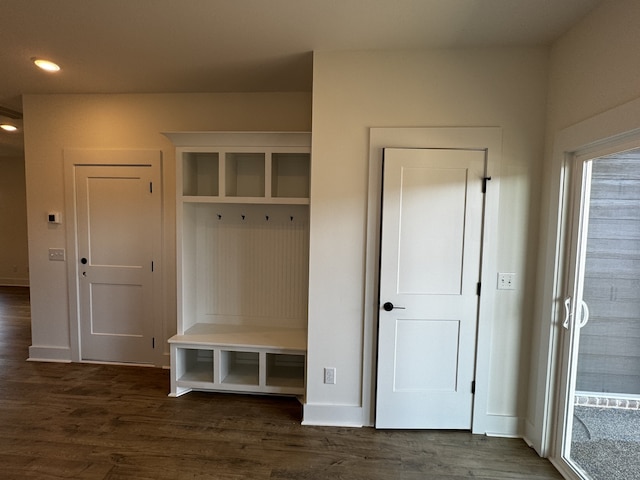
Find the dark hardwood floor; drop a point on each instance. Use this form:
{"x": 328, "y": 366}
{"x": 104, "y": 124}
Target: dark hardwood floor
{"x": 86, "y": 421}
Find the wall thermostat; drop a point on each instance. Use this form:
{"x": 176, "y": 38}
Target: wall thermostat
{"x": 53, "y": 217}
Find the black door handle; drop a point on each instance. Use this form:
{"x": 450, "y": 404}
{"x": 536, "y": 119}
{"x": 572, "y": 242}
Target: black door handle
{"x": 388, "y": 306}
{"x": 83, "y": 261}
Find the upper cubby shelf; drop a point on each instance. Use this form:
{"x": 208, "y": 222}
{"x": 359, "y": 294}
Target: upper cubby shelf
{"x": 245, "y": 174}
{"x": 290, "y": 173}
{"x": 200, "y": 174}
{"x": 238, "y": 167}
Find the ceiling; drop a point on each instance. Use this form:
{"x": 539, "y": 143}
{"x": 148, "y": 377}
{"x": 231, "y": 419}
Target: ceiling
{"x": 162, "y": 46}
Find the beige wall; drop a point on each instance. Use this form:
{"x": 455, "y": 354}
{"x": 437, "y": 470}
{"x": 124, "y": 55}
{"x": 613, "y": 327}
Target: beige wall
{"x": 55, "y": 122}
{"x": 594, "y": 68}
{"x": 354, "y": 91}
{"x": 14, "y": 258}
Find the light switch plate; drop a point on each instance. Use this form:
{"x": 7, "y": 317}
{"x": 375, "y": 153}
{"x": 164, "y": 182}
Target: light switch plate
{"x": 56, "y": 254}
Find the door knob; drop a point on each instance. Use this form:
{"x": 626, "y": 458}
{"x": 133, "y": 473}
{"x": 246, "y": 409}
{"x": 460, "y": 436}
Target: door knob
{"x": 83, "y": 261}
{"x": 388, "y": 306}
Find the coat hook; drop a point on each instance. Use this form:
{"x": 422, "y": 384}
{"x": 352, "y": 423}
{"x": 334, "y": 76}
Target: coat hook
{"x": 291, "y": 218}
{"x": 219, "y": 217}
{"x": 243, "y": 217}
{"x": 266, "y": 217}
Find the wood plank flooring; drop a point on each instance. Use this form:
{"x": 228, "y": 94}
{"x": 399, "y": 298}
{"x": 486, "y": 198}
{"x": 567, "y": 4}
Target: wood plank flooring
{"x": 86, "y": 421}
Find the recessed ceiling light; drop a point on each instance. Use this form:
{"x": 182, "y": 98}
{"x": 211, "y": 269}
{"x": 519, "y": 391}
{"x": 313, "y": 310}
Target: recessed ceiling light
{"x": 8, "y": 127}
{"x": 46, "y": 65}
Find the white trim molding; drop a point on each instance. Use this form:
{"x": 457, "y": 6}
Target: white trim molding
{"x": 332, "y": 415}
{"x": 49, "y": 354}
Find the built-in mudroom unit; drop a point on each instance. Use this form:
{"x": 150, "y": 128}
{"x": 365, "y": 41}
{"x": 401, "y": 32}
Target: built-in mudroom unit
{"x": 242, "y": 217}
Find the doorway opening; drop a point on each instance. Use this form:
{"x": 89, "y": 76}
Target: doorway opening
{"x": 14, "y": 255}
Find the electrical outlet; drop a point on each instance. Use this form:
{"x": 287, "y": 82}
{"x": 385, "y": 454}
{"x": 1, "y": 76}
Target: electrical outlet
{"x": 330, "y": 376}
{"x": 506, "y": 281}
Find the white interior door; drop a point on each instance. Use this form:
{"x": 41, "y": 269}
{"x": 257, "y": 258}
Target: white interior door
{"x": 117, "y": 227}
{"x": 432, "y": 214}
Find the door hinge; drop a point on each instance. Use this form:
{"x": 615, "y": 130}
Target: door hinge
{"x": 150, "y": 187}
{"x": 152, "y": 266}
{"x": 473, "y": 387}
{"x": 153, "y": 342}
{"x": 484, "y": 184}
{"x": 478, "y": 288}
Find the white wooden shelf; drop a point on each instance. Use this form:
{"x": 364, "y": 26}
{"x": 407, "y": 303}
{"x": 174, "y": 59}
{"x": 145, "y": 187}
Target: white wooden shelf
{"x": 244, "y": 336}
{"x": 240, "y": 358}
{"x": 246, "y": 200}
{"x": 243, "y": 248}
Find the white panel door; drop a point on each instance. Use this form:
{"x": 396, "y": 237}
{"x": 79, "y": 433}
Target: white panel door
{"x": 432, "y": 213}
{"x": 117, "y": 226}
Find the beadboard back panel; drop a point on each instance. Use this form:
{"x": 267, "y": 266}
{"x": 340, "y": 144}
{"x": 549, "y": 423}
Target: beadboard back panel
{"x": 250, "y": 264}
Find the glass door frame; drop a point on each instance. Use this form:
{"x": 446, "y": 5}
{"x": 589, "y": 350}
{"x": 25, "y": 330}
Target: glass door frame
{"x": 571, "y": 312}
{"x": 615, "y": 129}
{"x": 574, "y": 311}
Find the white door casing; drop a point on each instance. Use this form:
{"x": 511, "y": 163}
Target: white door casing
{"x": 115, "y": 257}
{"x": 432, "y": 215}
{"x": 488, "y": 139}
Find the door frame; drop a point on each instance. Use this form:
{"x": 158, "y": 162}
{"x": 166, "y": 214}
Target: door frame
{"x": 613, "y": 130}
{"x": 76, "y": 157}
{"x": 614, "y": 127}
{"x": 488, "y": 139}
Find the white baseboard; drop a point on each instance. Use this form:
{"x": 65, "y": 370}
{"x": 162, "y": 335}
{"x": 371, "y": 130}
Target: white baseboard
{"x": 332, "y": 415}
{"x": 49, "y": 354}
{"x": 63, "y": 355}
{"x": 503, "y": 426}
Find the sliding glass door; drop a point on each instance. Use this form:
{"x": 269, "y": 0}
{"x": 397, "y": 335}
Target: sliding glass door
{"x": 600, "y": 374}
